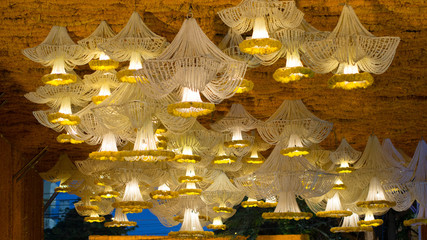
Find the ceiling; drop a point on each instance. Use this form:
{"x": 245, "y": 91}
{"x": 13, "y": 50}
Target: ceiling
{"x": 394, "y": 107}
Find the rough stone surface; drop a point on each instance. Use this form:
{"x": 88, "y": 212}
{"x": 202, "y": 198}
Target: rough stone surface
{"x": 394, "y": 107}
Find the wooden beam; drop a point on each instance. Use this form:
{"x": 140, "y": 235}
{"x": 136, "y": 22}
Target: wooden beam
{"x": 29, "y": 165}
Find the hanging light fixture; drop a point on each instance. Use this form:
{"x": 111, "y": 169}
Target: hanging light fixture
{"x": 334, "y": 208}
{"x": 100, "y": 61}
{"x": 349, "y": 224}
{"x": 134, "y": 43}
{"x": 236, "y": 121}
{"x": 349, "y": 49}
{"x": 295, "y": 127}
{"x": 120, "y": 220}
{"x": 293, "y": 40}
{"x": 191, "y": 65}
{"x": 344, "y": 156}
{"x": 263, "y": 17}
{"x": 60, "y": 52}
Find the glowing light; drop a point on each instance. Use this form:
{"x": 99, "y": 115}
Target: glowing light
{"x": 260, "y": 28}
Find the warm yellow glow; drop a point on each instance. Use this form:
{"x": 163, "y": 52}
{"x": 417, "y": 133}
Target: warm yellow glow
{"x": 164, "y": 187}
{"x": 190, "y": 171}
{"x": 105, "y": 90}
{"x": 135, "y": 61}
{"x": 187, "y": 150}
{"x": 344, "y": 165}
{"x": 350, "y": 69}
{"x": 191, "y": 105}
{"x": 58, "y": 66}
{"x": 237, "y": 135}
{"x": 293, "y": 60}
{"x": 294, "y": 151}
{"x": 260, "y": 28}
{"x": 103, "y": 56}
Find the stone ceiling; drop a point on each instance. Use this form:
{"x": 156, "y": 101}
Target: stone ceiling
{"x": 394, "y": 107}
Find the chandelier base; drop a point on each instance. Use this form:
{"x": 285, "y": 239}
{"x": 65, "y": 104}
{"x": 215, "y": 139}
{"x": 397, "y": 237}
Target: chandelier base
{"x": 370, "y": 223}
{"x": 66, "y": 138}
{"x": 133, "y": 206}
{"x": 120, "y": 224}
{"x": 237, "y": 144}
{"x": 217, "y": 227}
{"x": 376, "y": 204}
{"x": 351, "y": 81}
{"x": 292, "y": 74}
{"x": 295, "y": 151}
{"x": 190, "y": 109}
{"x": 191, "y": 234}
{"x": 57, "y": 79}
{"x": 415, "y": 222}
{"x": 63, "y": 119}
{"x": 351, "y": 229}
{"x": 334, "y": 214}
{"x": 103, "y": 65}
{"x": 287, "y": 215}
{"x": 94, "y": 219}
{"x": 260, "y": 46}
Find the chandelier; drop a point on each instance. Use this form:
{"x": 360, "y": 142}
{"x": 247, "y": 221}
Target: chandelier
{"x": 153, "y": 153}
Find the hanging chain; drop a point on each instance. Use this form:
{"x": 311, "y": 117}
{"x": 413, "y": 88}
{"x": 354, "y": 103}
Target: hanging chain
{"x": 190, "y": 11}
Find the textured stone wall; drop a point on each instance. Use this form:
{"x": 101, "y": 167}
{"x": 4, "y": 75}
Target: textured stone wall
{"x": 394, "y": 107}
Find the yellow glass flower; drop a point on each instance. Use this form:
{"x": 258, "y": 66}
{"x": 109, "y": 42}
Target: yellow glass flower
{"x": 94, "y": 219}
{"x": 344, "y": 169}
{"x": 334, "y": 213}
{"x": 223, "y": 209}
{"x": 253, "y": 160}
{"x": 263, "y": 204}
{"x": 287, "y": 215}
{"x": 340, "y": 186}
{"x": 120, "y": 224}
{"x": 150, "y": 155}
{"x": 182, "y": 158}
{"x": 62, "y": 189}
{"x": 109, "y": 194}
{"x": 95, "y": 199}
{"x": 351, "y": 81}
{"x": 295, "y": 151}
{"x": 160, "y": 194}
{"x": 127, "y": 76}
{"x": 217, "y": 227}
{"x": 63, "y": 118}
{"x": 106, "y": 155}
{"x": 133, "y": 206}
{"x": 249, "y": 204}
{"x": 370, "y": 223}
{"x": 260, "y": 46}
{"x": 87, "y": 208}
{"x": 191, "y": 234}
{"x": 103, "y": 65}
{"x": 190, "y": 109}
{"x": 351, "y": 229}
{"x": 57, "y": 79}
{"x": 224, "y": 159}
{"x": 193, "y": 179}
{"x": 415, "y": 222}
{"x": 190, "y": 191}
{"x": 99, "y": 99}
{"x": 376, "y": 204}
{"x": 237, "y": 143}
{"x": 285, "y": 75}
{"x": 66, "y": 138}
